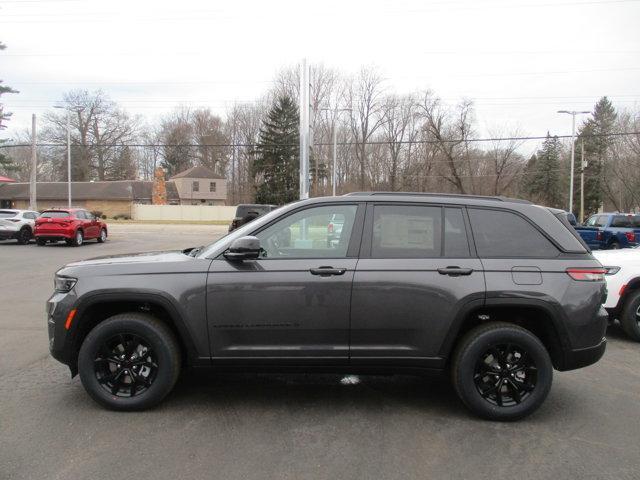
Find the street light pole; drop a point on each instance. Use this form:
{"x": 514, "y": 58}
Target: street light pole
{"x": 573, "y": 114}
{"x": 336, "y": 111}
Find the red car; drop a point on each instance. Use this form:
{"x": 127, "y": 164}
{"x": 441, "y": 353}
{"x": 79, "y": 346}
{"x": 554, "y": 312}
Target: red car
{"x": 73, "y": 225}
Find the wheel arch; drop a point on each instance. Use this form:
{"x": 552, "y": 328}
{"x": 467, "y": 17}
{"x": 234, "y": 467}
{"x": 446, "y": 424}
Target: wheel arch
{"x": 95, "y": 308}
{"x": 536, "y": 316}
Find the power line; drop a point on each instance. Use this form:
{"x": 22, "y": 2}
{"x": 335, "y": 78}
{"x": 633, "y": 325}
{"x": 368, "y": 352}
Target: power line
{"x": 375, "y": 142}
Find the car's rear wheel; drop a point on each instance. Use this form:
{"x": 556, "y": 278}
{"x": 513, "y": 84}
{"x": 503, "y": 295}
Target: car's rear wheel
{"x": 24, "y": 235}
{"x": 41, "y": 241}
{"x": 630, "y": 317}
{"x": 501, "y": 371}
{"x": 130, "y": 361}
{"x": 77, "y": 240}
{"x": 615, "y": 245}
{"x": 103, "y": 236}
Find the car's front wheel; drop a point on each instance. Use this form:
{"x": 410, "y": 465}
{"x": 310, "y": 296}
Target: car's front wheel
{"x": 130, "y": 361}
{"x": 501, "y": 371}
{"x": 630, "y": 317}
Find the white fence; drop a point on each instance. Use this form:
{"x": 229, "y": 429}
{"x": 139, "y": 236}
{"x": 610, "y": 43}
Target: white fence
{"x": 183, "y": 212}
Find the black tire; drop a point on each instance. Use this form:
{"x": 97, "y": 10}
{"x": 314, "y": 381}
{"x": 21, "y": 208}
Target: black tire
{"x": 41, "y": 242}
{"x": 520, "y": 386}
{"x": 630, "y": 316}
{"x": 113, "y": 335}
{"x": 103, "y": 236}
{"x": 615, "y": 245}
{"x": 77, "y": 240}
{"x": 24, "y": 235}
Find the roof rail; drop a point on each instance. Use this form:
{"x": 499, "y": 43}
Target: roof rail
{"x": 446, "y": 195}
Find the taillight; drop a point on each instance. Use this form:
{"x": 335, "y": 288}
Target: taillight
{"x": 330, "y": 228}
{"x": 630, "y": 236}
{"x": 587, "y": 274}
{"x": 599, "y": 235}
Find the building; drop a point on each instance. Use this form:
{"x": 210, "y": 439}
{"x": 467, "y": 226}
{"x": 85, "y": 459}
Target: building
{"x": 196, "y": 186}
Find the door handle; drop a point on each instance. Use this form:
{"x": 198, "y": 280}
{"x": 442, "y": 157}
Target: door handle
{"x": 455, "y": 271}
{"x": 327, "y": 271}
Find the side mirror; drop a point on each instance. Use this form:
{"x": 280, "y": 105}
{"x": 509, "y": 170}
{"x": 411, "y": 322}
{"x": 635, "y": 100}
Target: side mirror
{"x": 243, "y": 248}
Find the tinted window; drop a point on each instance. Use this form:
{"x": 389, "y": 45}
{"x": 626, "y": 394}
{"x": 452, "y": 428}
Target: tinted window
{"x": 7, "y": 214}
{"x": 401, "y": 231}
{"x": 54, "y": 214}
{"x": 499, "y": 233}
{"x": 308, "y": 234}
{"x": 243, "y": 210}
{"x": 625, "y": 221}
{"x": 455, "y": 234}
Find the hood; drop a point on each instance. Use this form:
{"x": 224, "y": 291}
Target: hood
{"x": 132, "y": 258}
{"x": 624, "y": 254}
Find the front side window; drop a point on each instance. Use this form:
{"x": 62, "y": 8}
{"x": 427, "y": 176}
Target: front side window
{"x": 318, "y": 232}
{"x": 195, "y": 186}
{"x": 401, "y": 231}
{"x": 503, "y": 234}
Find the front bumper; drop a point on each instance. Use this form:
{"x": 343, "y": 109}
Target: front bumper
{"x": 60, "y": 339}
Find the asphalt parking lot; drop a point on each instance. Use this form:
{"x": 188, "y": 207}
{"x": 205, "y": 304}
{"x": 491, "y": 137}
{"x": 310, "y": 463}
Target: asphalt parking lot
{"x": 288, "y": 426}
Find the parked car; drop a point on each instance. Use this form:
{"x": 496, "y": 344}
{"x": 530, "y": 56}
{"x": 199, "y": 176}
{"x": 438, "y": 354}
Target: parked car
{"x": 17, "y": 224}
{"x": 623, "y": 286}
{"x": 497, "y": 292}
{"x": 73, "y": 225}
{"x": 605, "y": 231}
{"x": 246, "y": 213}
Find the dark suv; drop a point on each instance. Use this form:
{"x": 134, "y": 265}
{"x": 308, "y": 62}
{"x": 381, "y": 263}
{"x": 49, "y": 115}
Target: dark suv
{"x": 498, "y": 292}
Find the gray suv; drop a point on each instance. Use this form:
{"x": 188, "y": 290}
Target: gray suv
{"x": 497, "y": 292}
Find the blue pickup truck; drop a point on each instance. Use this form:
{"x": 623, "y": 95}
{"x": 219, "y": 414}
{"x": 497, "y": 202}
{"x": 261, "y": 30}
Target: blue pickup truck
{"x": 610, "y": 230}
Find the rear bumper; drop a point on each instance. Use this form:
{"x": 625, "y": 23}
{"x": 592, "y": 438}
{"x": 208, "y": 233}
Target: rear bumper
{"x": 51, "y": 235}
{"x": 583, "y": 357}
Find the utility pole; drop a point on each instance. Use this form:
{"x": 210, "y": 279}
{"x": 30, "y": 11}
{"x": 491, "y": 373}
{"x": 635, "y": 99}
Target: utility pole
{"x": 573, "y": 114}
{"x": 78, "y": 109}
{"x": 304, "y": 130}
{"x": 584, "y": 165}
{"x": 34, "y": 165}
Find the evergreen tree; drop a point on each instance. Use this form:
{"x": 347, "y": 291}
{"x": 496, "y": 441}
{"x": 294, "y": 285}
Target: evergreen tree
{"x": 596, "y": 150}
{"x": 5, "y": 162}
{"x": 276, "y": 167}
{"x": 542, "y": 175}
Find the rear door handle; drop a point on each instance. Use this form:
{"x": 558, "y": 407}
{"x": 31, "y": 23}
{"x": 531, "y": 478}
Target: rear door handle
{"x": 455, "y": 271}
{"x": 327, "y": 271}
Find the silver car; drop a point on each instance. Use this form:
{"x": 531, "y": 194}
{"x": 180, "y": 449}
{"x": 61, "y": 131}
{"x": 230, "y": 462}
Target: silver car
{"x": 18, "y": 225}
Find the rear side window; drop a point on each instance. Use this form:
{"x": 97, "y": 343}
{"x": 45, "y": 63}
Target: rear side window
{"x": 54, "y": 214}
{"x": 456, "y": 243}
{"x": 401, "y": 231}
{"x": 6, "y": 214}
{"x": 499, "y": 233}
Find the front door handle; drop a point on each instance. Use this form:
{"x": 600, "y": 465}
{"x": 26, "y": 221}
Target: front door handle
{"x": 327, "y": 271}
{"x": 455, "y": 271}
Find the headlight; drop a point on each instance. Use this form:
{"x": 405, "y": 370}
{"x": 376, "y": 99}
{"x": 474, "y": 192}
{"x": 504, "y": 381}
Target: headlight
{"x": 64, "y": 284}
{"x": 612, "y": 270}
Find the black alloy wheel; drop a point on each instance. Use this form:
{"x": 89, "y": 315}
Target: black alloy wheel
{"x": 505, "y": 375}
{"x": 24, "y": 236}
{"x": 125, "y": 365}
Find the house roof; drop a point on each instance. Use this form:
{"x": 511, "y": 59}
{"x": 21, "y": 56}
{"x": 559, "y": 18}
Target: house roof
{"x": 198, "y": 172}
{"x": 131, "y": 190}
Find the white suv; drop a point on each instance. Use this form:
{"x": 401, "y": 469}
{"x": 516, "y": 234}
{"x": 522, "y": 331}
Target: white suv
{"x": 17, "y": 224}
{"x": 623, "y": 287}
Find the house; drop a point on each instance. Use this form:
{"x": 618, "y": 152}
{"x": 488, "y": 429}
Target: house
{"x": 195, "y": 186}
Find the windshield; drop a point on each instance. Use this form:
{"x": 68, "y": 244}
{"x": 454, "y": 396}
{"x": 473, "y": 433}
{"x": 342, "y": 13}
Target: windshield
{"x": 240, "y": 232}
{"x": 7, "y": 214}
{"x": 54, "y": 214}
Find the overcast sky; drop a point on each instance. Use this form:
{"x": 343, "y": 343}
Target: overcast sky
{"x": 519, "y": 60}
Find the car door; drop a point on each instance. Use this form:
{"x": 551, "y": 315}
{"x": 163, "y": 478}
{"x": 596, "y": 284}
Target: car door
{"x": 292, "y": 304}
{"x": 416, "y": 273}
